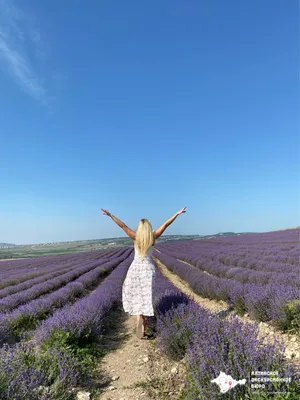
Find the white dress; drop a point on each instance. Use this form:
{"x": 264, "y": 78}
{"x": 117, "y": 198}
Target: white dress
{"x": 137, "y": 286}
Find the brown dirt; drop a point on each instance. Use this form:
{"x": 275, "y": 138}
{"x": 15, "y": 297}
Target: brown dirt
{"x": 140, "y": 370}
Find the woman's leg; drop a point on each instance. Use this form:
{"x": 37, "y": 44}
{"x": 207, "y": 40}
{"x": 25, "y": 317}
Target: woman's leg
{"x": 144, "y": 324}
{"x": 139, "y": 326}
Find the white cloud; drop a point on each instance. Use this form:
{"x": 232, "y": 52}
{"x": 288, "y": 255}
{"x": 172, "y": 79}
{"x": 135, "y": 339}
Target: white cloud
{"x": 20, "y": 46}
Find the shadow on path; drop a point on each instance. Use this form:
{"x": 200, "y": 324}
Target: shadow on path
{"x": 112, "y": 337}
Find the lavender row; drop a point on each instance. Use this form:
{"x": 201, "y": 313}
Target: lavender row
{"x": 36, "y": 264}
{"x": 45, "y": 275}
{"x": 28, "y": 315}
{"x": 277, "y": 304}
{"x": 40, "y": 260}
{"x": 13, "y": 277}
{"x": 263, "y": 248}
{"x": 15, "y": 265}
{"x": 233, "y": 256}
{"x": 211, "y": 345}
{"x": 244, "y": 275}
{"x": 281, "y": 238}
{"x": 84, "y": 318}
{"x": 36, "y": 269}
{"x": 14, "y": 300}
{"x": 212, "y": 253}
{"x": 18, "y": 287}
{"x": 244, "y": 246}
{"x": 58, "y": 271}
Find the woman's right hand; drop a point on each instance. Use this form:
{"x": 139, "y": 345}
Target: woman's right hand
{"x": 105, "y": 212}
{"x": 181, "y": 211}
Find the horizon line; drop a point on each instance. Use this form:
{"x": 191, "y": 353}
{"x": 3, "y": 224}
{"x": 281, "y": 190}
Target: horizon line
{"x": 123, "y": 237}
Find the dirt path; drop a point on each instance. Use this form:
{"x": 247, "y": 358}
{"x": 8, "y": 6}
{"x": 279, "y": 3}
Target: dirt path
{"x": 212, "y": 305}
{"x": 134, "y": 369}
{"x": 291, "y": 341}
{"x": 185, "y": 262}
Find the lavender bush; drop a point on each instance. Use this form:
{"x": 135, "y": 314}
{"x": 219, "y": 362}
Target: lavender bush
{"x": 28, "y": 374}
{"x": 211, "y": 345}
{"x": 234, "y": 348}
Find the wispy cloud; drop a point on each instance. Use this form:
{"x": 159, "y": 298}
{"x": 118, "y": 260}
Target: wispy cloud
{"x": 22, "y": 55}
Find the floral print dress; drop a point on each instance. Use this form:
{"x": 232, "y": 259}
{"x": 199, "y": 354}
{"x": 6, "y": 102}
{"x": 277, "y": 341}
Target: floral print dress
{"x": 137, "y": 286}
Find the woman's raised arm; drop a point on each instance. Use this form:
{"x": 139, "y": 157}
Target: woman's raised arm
{"x": 121, "y": 224}
{"x": 164, "y": 226}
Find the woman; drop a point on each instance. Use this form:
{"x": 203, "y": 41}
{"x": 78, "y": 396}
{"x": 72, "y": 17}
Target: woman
{"x": 137, "y": 286}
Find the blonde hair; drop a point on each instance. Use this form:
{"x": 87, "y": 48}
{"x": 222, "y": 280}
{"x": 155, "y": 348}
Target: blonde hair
{"x": 144, "y": 237}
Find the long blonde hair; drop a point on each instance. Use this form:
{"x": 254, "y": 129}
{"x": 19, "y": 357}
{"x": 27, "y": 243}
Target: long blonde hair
{"x": 144, "y": 237}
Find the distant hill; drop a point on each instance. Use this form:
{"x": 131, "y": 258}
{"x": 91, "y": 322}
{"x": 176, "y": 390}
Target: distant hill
{"x": 232, "y": 233}
{"x": 12, "y": 251}
{"x": 226, "y": 234}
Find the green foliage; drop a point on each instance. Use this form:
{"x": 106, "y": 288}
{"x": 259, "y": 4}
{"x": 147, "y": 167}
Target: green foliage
{"x": 240, "y": 306}
{"x": 83, "y": 349}
{"x": 4, "y": 381}
{"x": 288, "y": 319}
{"x": 59, "y": 338}
{"x": 293, "y": 314}
{"x": 24, "y": 323}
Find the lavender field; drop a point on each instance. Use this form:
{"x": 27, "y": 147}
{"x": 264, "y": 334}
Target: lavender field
{"x": 53, "y": 310}
{"x": 257, "y": 274}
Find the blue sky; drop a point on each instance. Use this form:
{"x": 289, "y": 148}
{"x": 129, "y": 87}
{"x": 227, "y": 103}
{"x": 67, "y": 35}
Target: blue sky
{"x": 145, "y": 107}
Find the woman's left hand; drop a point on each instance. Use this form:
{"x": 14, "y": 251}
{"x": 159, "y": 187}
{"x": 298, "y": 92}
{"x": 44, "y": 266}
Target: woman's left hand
{"x": 181, "y": 211}
{"x": 105, "y": 212}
